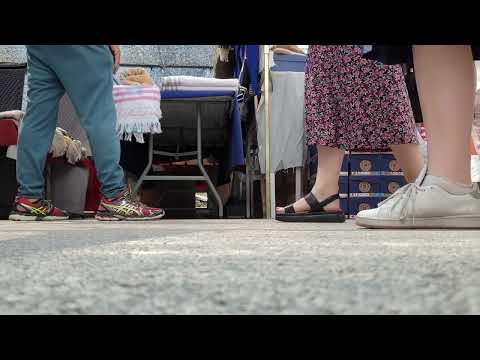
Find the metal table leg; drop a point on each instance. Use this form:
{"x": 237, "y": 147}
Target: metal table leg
{"x": 200, "y": 161}
{"x": 248, "y": 185}
{"x": 272, "y": 196}
{"x": 298, "y": 183}
{"x": 205, "y": 177}
{"x": 147, "y": 168}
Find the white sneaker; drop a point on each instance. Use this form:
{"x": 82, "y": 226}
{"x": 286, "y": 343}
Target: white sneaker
{"x": 431, "y": 202}
{"x": 475, "y": 167}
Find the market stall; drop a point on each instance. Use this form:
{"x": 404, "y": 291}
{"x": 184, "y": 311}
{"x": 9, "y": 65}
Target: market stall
{"x": 194, "y": 108}
{"x": 208, "y": 114}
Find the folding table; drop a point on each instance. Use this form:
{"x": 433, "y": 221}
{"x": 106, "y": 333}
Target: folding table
{"x": 196, "y": 119}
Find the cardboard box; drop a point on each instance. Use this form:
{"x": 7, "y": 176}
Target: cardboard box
{"x": 344, "y": 203}
{"x": 375, "y": 183}
{"x": 372, "y": 162}
{"x": 356, "y": 204}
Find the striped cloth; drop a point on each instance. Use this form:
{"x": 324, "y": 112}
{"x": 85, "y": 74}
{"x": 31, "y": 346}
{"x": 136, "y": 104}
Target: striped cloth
{"x": 138, "y": 111}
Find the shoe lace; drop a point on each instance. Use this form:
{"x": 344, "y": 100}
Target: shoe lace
{"x": 408, "y": 194}
{"x": 46, "y": 203}
{"x": 130, "y": 198}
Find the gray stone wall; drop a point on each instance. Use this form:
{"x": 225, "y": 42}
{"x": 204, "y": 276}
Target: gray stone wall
{"x": 196, "y": 56}
{"x": 168, "y": 55}
{"x": 12, "y": 53}
{"x": 159, "y": 60}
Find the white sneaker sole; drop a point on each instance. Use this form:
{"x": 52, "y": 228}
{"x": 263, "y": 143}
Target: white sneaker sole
{"x": 158, "y": 217}
{"x": 18, "y": 217}
{"x": 445, "y": 222}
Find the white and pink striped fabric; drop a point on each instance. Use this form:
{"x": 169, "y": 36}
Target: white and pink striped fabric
{"x": 138, "y": 111}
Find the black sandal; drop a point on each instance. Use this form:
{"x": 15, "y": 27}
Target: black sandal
{"x": 316, "y": 213}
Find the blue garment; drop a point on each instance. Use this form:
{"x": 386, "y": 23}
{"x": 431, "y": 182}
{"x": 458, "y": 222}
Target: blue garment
{"x": 289, "y": 63}
{"x": 84, "y": 72}
{"x": 252, "y": 53}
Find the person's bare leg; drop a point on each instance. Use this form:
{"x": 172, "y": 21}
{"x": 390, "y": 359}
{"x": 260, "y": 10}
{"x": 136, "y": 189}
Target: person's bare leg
{"x": 326, "y": 182}
{"x": 446, "y": 197}
{"x": 444, "y": 75}
{"x": 410, "y": 160}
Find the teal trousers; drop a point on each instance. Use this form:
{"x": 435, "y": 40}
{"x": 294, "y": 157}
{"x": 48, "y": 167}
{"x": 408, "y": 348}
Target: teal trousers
{"x": 85, "y": 73}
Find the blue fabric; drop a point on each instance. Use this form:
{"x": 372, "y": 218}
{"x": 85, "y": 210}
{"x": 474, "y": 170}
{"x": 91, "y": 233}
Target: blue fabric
{"x": 239, "y": 52}
{"x": 252, "y": 52}
{"x": 235, "y": 145}
{"x": 253, "y": 59}
{"x": 290, "y": 63}
{"x": 84, "y": 72}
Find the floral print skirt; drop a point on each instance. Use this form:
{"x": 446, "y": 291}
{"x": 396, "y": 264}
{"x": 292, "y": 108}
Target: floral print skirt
{"x": 353, "y": 103}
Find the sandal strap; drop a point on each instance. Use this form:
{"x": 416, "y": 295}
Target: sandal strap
{"x": 315, "y": 205}
{"x": 289, "y": 209}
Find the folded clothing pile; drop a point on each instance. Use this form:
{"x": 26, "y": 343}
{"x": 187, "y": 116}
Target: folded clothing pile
{"x": 189, "y": 83}
{"x": 135, "y": 76}
{"x": 138, "y": 111}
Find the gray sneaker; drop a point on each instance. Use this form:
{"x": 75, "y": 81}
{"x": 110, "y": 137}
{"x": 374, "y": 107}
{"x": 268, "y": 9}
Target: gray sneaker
{"x": 431, "y": 202}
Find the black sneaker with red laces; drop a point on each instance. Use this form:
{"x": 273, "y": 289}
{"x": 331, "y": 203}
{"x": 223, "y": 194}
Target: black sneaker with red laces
{"x": 123, "y": 207}
{"x": 39, "y": 210}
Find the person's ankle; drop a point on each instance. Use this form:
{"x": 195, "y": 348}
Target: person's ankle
{"x": 118, "y": 194}
{"x": 461, "y": 176}
{"x": 324, "y": 191}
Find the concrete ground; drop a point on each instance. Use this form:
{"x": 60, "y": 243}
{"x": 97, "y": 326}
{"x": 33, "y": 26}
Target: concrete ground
{"x": 235, "y": 267}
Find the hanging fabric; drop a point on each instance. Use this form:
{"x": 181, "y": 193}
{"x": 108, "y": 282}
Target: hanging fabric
{"x": 248, "y": 56}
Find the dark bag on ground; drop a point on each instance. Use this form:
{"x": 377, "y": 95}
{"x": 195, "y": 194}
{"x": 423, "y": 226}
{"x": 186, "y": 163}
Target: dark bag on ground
{"x": 8, "y": 183}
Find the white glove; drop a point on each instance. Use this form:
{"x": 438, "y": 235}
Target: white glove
{"x": 74, "y": 152}
{"x": 59, "y": 146}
